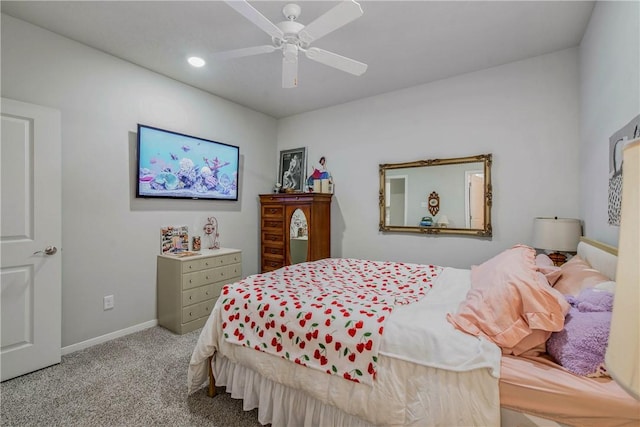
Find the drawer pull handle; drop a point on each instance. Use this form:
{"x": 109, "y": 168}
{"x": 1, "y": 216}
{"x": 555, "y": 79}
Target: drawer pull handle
{"x": 206, "y": 263}
{"x": 207, "y": 292}
{"x": 190, "y": 281}
{"x": 190, "y": 314}
{"x": 190, "y": 297}
{"x": 207, "y": 277}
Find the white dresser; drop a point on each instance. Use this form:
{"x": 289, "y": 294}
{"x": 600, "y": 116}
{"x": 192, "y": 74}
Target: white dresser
{"x": 189, "y": 287}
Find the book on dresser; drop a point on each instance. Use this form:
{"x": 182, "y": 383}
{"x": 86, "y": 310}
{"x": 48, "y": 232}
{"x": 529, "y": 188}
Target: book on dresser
{"x": 188, "y": 287}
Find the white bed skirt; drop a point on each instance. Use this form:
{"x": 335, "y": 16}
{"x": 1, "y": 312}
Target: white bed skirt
{"x": 282, "y": 405}
{"x": 277, "y": 404}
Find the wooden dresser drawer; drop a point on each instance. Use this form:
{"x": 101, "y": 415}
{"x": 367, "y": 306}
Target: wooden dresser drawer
{"x": 272, "y": 225}
{"x": 271, "y": 264}
{"x": 273, "y": 211}
{"x": 273, "y": 251}
{"x": 273, "y": 239}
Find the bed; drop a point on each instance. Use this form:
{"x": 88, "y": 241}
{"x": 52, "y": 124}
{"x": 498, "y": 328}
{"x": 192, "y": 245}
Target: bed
{"x": 425, "y": 370}
{"x": 536, "y": 391}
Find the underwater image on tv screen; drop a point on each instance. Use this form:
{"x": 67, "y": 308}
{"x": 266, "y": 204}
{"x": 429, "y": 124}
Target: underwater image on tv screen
{"x": 180, "y": 166}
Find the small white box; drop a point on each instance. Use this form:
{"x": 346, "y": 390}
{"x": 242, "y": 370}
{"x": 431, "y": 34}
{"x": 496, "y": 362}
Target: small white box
{"x": 324, "y": 185}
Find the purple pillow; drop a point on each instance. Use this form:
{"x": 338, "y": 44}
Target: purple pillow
{"x": 580, "y": 347}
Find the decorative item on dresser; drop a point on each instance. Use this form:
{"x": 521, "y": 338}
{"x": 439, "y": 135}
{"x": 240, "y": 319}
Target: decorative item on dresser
{"x": 309, "y": 214}
{"x": 188, "y": 287}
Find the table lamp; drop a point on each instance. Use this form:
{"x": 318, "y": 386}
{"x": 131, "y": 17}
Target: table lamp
{"x": 558, "y": 235}
{"x": 623, "y": 351}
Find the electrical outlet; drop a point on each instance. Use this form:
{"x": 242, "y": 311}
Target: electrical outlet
{"x": 108, "y": 302}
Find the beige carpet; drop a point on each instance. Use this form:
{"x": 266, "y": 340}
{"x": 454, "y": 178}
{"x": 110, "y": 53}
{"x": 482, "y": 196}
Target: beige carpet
{"x": 137, "y": 380}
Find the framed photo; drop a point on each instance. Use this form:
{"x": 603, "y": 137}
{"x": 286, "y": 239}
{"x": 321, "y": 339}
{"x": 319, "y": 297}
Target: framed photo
{"x": 293, "y": 166}
{"x": 174, "y": 239}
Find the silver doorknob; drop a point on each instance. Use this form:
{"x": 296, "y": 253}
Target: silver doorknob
{"x": 49, "y": 250}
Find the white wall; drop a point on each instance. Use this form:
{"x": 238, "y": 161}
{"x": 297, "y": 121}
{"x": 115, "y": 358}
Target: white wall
{"x": 110, "y": 239}
{"x": 525, "y": 113}
{"x": 610, "y": 98}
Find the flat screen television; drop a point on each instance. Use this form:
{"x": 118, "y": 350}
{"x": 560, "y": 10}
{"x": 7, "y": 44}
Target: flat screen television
{"x": 173, "y": 165}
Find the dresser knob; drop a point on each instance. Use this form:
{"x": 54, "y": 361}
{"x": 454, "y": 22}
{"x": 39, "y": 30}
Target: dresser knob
{"x": 207, "y": 292}
{"x": 190, "y": 297}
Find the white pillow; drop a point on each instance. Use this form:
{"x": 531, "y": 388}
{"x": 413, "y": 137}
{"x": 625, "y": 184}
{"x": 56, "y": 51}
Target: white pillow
{"x": 607, "y": 286}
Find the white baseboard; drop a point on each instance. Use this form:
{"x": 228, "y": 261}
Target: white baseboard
{"x": 108, "y": 337}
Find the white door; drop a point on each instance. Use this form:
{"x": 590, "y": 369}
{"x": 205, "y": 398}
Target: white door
{"x": 476, "y": 200}
{"x": 31, "y": 302}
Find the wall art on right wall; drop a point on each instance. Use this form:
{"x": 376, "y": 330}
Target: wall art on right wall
{"x": 617, "y": 142}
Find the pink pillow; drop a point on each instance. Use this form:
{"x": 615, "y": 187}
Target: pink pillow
{"x": 546, "y": 267}
{"x": 511, "y": 303}
{"x": 577, "y": 275}
{"x": 544, "y": 260}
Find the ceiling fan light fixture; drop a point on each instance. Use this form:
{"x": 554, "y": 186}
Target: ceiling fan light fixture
{"x": 196, "y": 61}
{"x": 291, "y": 36}
{"x": 291, "y": 11}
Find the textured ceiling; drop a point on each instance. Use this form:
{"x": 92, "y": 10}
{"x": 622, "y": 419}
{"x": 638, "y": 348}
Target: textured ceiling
{"x": 404, "y": 43}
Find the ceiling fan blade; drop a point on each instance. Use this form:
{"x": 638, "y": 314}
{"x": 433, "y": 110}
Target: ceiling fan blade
{"x": 290, "y": 66}
{"x": 247, "y": 51}
{"x": 335, "y": 18}
{"x": 249, "y": 12}
{"x": 336, "y": 61}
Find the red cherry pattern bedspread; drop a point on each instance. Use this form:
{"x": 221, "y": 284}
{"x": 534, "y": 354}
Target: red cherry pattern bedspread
{"x": 327, "y": 315}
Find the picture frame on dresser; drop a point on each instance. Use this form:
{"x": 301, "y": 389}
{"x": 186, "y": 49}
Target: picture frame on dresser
{"x": 292, "y": 170}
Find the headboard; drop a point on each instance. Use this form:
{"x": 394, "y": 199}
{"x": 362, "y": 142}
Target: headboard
{"x": 600, "y": 256}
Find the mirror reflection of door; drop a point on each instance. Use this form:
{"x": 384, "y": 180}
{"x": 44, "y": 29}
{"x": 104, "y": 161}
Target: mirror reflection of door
{"x": 396, "y": 202}
{"x": 475, "y": 199}
{"x": 298, "y": 237}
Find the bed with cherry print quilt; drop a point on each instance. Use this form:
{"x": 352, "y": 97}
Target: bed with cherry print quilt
{"x": 349, "y": 342}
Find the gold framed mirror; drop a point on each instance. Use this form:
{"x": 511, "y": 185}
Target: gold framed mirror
{"x": 464, "y": 190}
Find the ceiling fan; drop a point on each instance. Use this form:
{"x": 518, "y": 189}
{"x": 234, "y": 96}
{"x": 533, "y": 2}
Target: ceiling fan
{"x": 291, "y": 37}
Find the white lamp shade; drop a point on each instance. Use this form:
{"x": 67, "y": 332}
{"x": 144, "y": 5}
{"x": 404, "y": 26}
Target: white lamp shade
{"x": 623, "y": 353}
{"x": 557, "y": 234}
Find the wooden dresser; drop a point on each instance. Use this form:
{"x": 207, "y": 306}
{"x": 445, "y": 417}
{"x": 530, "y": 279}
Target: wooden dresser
{"x": 189, "y": 287}
{"x": 277, "y": 211}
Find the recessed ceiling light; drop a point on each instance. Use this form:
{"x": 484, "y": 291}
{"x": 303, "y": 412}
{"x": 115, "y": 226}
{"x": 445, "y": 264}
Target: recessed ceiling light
{"x": 196, "y": 61}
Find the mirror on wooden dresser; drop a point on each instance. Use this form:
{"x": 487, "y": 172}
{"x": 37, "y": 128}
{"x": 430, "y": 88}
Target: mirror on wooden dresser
{"x": 437, "y": 196}
{"x": 298, "y": 237}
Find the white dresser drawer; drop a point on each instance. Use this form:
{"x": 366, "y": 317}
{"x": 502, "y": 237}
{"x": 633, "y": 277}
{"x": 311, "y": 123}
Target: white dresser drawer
{"x": 196, "y": 295}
